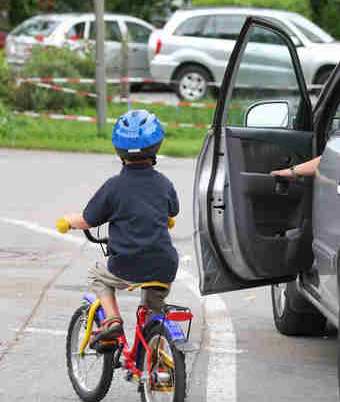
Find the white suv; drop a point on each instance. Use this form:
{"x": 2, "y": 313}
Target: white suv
{"x": 194, "y": 47}
{"x": 77, "y": 31}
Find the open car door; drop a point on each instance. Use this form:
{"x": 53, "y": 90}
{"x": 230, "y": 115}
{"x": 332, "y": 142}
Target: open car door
{"x": 251, "y": 229}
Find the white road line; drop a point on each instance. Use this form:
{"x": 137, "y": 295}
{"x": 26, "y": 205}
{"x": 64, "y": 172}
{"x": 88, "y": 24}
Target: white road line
{"x": 43, "y": 230}
{"x": 47, "y": 331}
{"x": 221, "y": 343}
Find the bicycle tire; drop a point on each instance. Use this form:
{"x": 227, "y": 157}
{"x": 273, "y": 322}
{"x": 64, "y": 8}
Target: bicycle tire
{"x": 105, "y": 378}
{"x": 178, "y": 373}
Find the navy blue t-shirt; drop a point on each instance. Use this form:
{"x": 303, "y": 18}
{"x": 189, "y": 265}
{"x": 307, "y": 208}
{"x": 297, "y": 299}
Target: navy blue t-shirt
{"x": 137, "y": 204}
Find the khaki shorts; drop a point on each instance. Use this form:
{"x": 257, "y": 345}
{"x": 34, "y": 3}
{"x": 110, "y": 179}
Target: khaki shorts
{"x": 102, "y": 283}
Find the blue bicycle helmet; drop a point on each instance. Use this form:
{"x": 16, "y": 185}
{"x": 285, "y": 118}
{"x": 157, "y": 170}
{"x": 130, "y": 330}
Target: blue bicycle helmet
{"x": 137, "y": 135}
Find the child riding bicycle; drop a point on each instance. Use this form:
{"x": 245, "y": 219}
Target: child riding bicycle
{"x": 137, "y": 204}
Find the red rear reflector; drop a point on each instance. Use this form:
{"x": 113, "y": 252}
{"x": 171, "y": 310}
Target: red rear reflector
{"x": 179, "y": 315}
{"x": 39, "y": 38}
{"x": 158, "y": 46}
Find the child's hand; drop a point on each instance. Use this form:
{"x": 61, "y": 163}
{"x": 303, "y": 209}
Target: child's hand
{"x": 62, "y": 225}
{"x": 171, "y": 222}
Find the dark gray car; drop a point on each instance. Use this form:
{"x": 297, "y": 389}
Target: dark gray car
{"x": 252, "y": 229}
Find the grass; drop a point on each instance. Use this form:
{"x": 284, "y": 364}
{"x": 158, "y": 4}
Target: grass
{"x": 29, "y": 133}
{"x": 43, "y": 133}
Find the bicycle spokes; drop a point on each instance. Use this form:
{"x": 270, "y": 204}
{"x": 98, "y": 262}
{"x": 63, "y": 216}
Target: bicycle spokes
{"x": 160, "y": 381}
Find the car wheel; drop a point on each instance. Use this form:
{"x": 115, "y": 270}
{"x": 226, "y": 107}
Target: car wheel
{"x": 293, "y": 314}
{"x": 192, "y": 83}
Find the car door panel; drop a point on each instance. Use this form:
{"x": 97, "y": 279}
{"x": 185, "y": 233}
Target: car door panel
{"x": 266, "y": 220}
{"x": 248, "y": 230}
{"x": 216, "y": 274}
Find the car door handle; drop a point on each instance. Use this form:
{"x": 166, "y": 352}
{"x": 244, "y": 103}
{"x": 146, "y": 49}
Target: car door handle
{"x": 281, "y": 185}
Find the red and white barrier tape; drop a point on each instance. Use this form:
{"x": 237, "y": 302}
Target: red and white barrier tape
{"x": 91, "y": 119}
{"x": 59, "y": 80}
{"x": 135, "y": 80}
{"x": 57, "y": 88}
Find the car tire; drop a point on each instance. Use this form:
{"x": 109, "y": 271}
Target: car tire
{"x": 192, "y": 83}
{"x": 293, "y": 314}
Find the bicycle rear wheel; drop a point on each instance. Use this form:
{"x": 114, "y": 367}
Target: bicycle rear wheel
{"x": 168, "y": 375}
{"x": 91, "y": 374}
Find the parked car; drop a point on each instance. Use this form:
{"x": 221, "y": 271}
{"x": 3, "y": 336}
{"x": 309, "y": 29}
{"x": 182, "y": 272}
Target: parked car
{"x": 195, "y": 45}
{"x": 78, "y": 31}
{"x": 3, "y": 35}
{"x": 252, "y": 229}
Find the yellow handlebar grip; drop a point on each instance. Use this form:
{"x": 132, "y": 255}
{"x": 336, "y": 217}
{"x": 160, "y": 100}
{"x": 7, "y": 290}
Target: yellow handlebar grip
{"x": 171, "y": 222}
{"x": 62, "y": 225}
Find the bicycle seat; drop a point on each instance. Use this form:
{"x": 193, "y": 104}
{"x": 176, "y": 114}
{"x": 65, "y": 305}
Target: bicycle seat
{"x": 152, "y": 284}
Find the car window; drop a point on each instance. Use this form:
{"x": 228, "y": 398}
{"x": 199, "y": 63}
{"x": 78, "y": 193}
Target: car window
{"x": 335, "y": 121}
{"x": 112, "y": 31}
{"x": 138, "y": 33}
{"x": 308, "y": 33}
{"x": 265, "y": 36}
{"x": 77, "y": 31}
{"x": 192, "y": 27}
{"x": 312, "y": 31}
{"x": 223, "y": 26}
{"x": 36, "y": 27}
{"x": 266, "y": 73}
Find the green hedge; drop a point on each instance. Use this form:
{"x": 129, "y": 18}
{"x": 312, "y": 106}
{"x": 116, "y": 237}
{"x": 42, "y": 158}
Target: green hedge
{"x": 54, "y": 62}
{"x": 300, "y": 6}
{"x": 329, "y": 17}
{"x": 5, "y": 81}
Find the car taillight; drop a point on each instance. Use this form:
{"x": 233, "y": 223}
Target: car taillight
{"x": 39, "y": 38}
{"x": 158, "y": 46}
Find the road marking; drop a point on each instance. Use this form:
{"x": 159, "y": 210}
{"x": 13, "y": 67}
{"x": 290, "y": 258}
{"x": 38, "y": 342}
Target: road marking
{"x": 220, "y": 342}
{"x": 44, "y": 230}
{"x": 47, "y": 331}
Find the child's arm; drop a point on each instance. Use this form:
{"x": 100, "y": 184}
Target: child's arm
{"x": 77, "y": 221}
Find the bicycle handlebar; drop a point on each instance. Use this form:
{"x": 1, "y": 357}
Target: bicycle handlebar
{"x": 63, "y": 226}
{"x": 93, "y": 239}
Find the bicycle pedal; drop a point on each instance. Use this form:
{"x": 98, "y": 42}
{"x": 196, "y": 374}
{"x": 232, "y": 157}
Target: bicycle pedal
{"x": 104, "y": 346}
{"x": 162, "y": 388}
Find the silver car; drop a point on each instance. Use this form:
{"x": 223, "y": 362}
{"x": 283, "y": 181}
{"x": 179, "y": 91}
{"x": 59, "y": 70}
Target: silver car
{"x": 253, "y": 229}
{"x": 77, "y": 31}
{"x": 195, "y": 45}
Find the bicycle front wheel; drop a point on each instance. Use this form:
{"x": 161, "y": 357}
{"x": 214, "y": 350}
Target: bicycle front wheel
{"x": 90, "y": 374}
{"x": 167, "y": 382}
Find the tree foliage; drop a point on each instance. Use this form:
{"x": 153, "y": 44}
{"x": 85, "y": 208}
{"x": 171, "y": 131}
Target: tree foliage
{"x": 328, "y": 17}
{"x": 301, "y": 6}
{"x": 20, "y": 10}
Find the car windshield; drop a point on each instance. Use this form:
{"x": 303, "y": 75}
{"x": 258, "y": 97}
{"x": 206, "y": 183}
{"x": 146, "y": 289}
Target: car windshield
{"x": 311, "y": 31}
{"x": 36, "y": 27}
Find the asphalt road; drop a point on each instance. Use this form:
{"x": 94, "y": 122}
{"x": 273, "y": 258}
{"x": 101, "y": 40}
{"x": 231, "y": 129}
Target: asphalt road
{"x": 241, "y": 358}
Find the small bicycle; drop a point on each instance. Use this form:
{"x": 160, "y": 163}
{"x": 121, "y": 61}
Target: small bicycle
{"x": 155, "y": 361}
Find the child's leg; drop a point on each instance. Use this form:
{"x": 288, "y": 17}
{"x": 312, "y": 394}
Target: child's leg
{"x": 103, "y": 284}
{"x": 154, "y": 298}
{"x": 110, "y": 305}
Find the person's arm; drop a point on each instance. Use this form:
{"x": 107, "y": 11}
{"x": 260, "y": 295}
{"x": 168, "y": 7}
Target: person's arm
{"x": 77, "y": 221}
{"x": 173, "y": 202}
{"x": 304, "y": 169}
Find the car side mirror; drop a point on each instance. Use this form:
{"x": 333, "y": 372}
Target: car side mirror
{"x": 268, "y": 114}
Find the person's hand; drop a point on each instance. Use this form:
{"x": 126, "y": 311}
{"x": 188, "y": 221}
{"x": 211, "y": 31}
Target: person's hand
{"x": 63, "y": 225}
{"x": 283, "y": 173}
